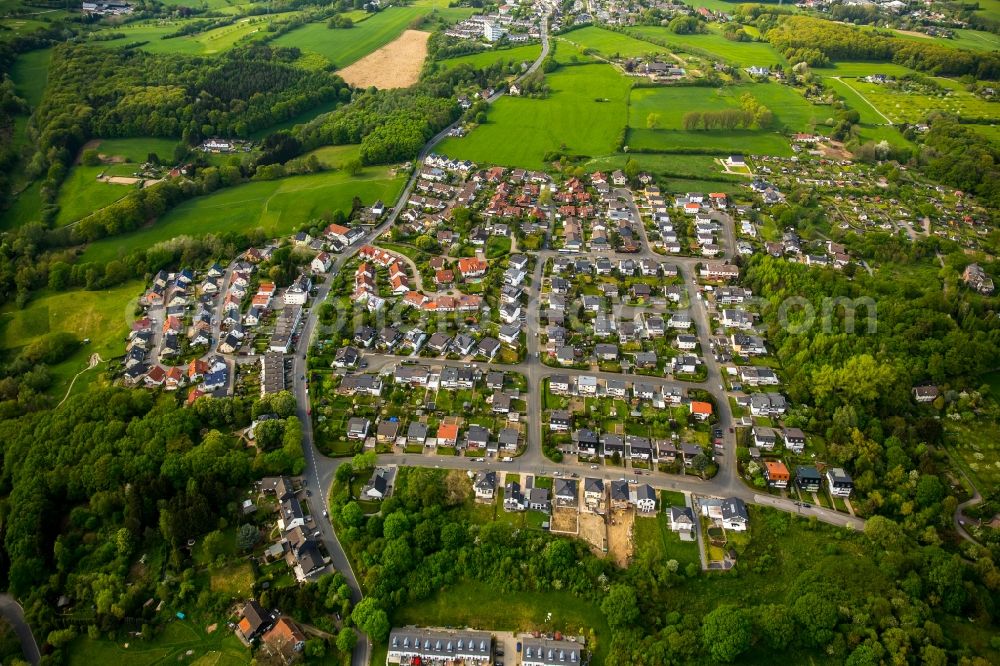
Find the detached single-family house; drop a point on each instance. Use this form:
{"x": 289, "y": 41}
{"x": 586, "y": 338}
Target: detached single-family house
{"x": 682, "y": 519}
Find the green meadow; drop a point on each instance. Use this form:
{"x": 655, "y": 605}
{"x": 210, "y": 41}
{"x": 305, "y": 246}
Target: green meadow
{"x": 30, "y": 73}
{"x": 909, "y": 107}
{"x": 583, "y": 115}
{"x": 137, "y": 149}
{"x": 670, "y": 165}
{"x": 611, "y": 44}
{"x": 526, "y": 53}
{"x": 81, "y": 194}
{"x": 742, "y": 54}
{"x": 869, "y": 113}
{"x": 342, "y": 47}
{"x": 102, "y": 316}
{"x": 720, "y": 142}
{"x": 276, "y": 206}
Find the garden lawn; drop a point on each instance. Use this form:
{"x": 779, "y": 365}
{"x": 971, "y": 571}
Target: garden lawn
{"x": 526, "y": 53}
{"x": 220, "y": 648}
{"x": 102, "y": 316}
{"x": 743, "y": 54}
{"x": 611, "y": 44}
{"x": 462, "y": 605}
{"x": 655, "y": 532}
{"x": 571, "y": 120}
{"x": 277, "y": 206}
{"x": 81, "y": 194}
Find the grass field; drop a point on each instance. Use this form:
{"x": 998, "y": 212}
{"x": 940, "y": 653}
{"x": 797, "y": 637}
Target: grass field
{"x": 220, "y": 648}
{"x": 869, "y": 114}
{"x": 611, "y": 44}
{"x": 792, "y": 111}
{"x": 102, "y": 316}
{"x": 81, "y": 194}
{"x": 342, "y": 47}
{"x": 477, "y": 605}
{"x": 526, "y": 53}
{"x": 138, "y": 149}
{"x": 278, "y": 207}
{"x": 521, "y": 130}
{"x": 753, "y": 142}
{"x": 30, "y": 72}
{"x": 848, "y": 68}
{"x": 336, "y": 156}
{"x": 743, "y": 54}
{"x": 300, "y": 119}
{"x": 667, "y": 164}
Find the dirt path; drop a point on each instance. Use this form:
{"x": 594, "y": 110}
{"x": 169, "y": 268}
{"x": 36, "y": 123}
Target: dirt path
{"x": 395, "y": 65}
{"x": 92, "y": 363}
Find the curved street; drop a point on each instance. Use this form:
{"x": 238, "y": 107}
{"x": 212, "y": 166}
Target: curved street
{"x": 320, "y": 469}
{"x": 11, "y": 611}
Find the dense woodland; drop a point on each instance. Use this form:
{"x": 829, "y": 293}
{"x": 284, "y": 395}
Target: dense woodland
{"x": 133, "y": 474}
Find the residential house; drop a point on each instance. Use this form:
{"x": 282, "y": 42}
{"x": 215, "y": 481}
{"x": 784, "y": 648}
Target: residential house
{"x": 644, "y": 498}
{"x": 485, "y": 485}
{"x": 808, "y": 478}
{"x": 682, "y": 519}
{"x": 840, "y": 482}
{"x": 776, "y": 474}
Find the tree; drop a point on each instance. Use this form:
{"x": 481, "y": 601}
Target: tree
{"x": 725, "y": 633}
{"x": 653, "y": 121}
{"x": 90, "y": 157}
{"x": 631, "y": 169}
{"x": 353, "y": 167}
{"x": 621, "y": 606}
{"x": 346, "y": 640}
{"x": 247, "y": 536}
{"x": 774, "y": 623}
{"x": 352, "y": 515}
{"x": 371, "y": 619}
{"x": 396, "y": 525}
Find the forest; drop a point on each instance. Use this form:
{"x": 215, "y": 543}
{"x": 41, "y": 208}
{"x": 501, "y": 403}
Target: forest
{"x": 842, "y": 42}
{"x": 134, "y": 474}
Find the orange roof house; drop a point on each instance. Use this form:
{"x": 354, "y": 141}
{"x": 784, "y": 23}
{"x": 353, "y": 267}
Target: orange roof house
{"x": 284, "y": 639}
{"x": 447, "y": 434}
{"x": 776, "y": 473}
{"x": 701, "y": 410}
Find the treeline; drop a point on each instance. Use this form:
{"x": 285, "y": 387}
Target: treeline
{"x": 795, "y": 35}
{"x": 753, "y": 114}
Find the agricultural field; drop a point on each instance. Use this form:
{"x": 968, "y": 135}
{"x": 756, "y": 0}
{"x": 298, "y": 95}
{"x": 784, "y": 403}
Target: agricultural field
{"x": 395, "y": 65}
{"x": 743, "y": 54}
{"x": 277, "y": 206}
{"x": 219, "y": 648}
{"x": 343, "y": 47}
{"x": 135, "y": 150}
{"x": 583, "y": 115}
{"x": 517, "y": 54}
{"x": 102, "y": 316}
{"x": 675, "y": 165}
{"x": 611, "y": 44}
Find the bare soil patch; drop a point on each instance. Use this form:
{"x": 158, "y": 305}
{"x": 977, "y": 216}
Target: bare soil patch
{"x": 565, "y": 520}
{"x": 395, "y": 65}
{"x": 620, "y": 541}
{"x": 594, "y": 532}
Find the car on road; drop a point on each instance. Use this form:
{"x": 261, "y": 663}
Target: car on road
{"x": 593, "y": 467}
{"x": 326, "y": 514}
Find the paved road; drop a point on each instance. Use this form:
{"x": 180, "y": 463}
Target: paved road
{"x": 319, "y": 468}
{"x": 13, "y": 613}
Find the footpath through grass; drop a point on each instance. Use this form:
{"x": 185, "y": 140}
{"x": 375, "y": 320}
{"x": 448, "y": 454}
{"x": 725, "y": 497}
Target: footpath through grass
{"x": 276, "y": 206}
